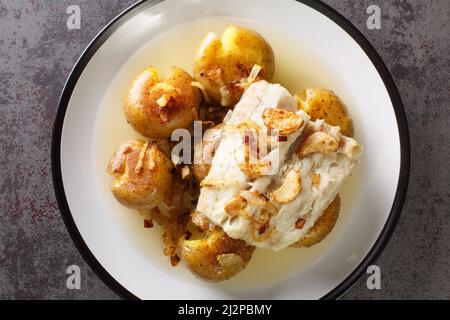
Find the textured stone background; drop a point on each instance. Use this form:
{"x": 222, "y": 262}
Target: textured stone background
{"x": 36, "y": 54}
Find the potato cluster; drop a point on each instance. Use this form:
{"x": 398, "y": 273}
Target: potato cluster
{"x": 145, "y": 179}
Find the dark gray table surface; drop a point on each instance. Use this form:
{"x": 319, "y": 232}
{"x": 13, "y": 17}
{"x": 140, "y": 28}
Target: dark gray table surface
{"x": 37, "y": 53}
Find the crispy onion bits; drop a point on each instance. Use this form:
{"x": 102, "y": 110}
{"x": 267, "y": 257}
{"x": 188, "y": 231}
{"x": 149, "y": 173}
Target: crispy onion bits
{"x": 289, "y": 190}
{"x": 247, "y": 82}
{"x": 142, "y": 153}
{"x": 254, "y": 74}
{"x": 226, "y": 95}
{"x": 285, "y": 122}
{"x": 318, "y": 142}
{"x": 236, "y": 207}
{"x": 200, "y": 86}
{"x": 252, "y": 166}
{"x": 300, "y": 223}
{"x": 259, "y": 225}
{"x": 255, "y": 170}
{"x": 210, "y": 183}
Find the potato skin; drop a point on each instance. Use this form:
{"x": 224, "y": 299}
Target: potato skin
{"x": 217, "y": 257}
{"x": 146, "y": 188}
{"x": 144, "y": 113}
{"x": 229, "y": 60}
{"x": 323, "y": 226}
{"x": 324, "y": 104}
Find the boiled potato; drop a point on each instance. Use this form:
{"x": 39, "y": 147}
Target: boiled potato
{"x": 222, "y": 65}
{"x": 143, "y": 175}
{"x": 324, "y": 104}
{"x": 215, "y": 257}
{"x": 323, "y": 226}
{"x": 156, "y": 108}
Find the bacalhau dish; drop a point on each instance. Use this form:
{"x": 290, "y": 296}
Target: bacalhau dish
{"x": 265, "y": 170}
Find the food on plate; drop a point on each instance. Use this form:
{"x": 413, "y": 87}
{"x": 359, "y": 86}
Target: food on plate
{"x": 155, "y": 108}
{"x": 267, "y": 166}
{"x": 172, "y": 216}
{"x": 272, "y": 202}
{"x": 324, "y": 104}
{"x": 323, "y": 226}
{"x": 225, "y": 65}
{"x": 142, "y": 174}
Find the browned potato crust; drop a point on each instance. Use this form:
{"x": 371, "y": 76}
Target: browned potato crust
{"x": 156, "y": 108}
{"x": 226, "y": 62}
{"x": 216, "y": 257}
{"x": 143, "y": 177}
{"x": 323, "y": 226}
{"x": 324, "y": 104}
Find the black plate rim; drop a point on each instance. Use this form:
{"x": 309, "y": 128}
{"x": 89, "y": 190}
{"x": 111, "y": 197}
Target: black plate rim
{"x": 319, "y": 6}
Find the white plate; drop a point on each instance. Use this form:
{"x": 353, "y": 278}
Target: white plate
{"x": 331, "y": 53}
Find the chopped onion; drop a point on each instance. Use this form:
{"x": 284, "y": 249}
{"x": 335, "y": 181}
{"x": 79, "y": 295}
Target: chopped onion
{"x": 226, "y": 96}
{"x": 148, "y": 223}
{"x": 141, "y": 158}
{"x": 163, "y": 101}
{"x": 254, "y": 73}
{"x": 202, "y": 89}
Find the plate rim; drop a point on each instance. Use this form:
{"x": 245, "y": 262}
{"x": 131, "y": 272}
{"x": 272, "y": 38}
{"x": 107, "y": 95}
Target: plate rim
{"x": 342, "y": 22}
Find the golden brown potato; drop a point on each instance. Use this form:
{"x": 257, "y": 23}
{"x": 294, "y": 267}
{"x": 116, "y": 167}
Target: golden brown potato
{"x": 323, "y": 226}
{"x": 324, "y": 104}
{"x": 205, "y": 154}
{"x": 156, "y": 108}
{"x": 222, "y": 65}
{"x": 143, "y": 177}
{"x": 215, "y": 257}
